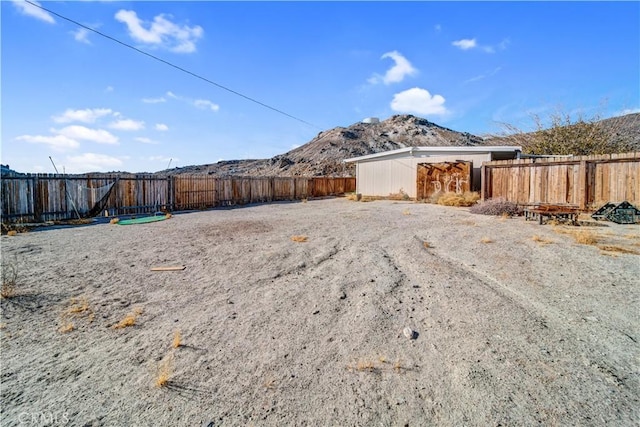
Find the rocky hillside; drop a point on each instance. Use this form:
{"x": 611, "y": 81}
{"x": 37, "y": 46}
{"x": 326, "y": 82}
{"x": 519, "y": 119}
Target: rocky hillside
{"x": 323, "y": 155}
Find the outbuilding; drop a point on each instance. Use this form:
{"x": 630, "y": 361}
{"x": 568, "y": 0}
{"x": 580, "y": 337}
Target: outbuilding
{"x": 421, "y": 172}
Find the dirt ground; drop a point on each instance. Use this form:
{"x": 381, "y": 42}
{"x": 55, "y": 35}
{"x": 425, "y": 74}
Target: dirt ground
{"x": 516, "y": 323}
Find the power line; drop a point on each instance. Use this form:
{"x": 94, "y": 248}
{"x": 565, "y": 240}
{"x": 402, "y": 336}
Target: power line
{"x": 174, "y": 66}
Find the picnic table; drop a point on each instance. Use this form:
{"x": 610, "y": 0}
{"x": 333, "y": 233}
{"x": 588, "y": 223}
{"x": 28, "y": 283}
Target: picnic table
{"x": 543, "y": 212}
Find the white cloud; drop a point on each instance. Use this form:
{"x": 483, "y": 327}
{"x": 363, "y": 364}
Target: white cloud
{"x": 161, "y": 32}
{"x": 91, "y": 162}
{"x": 76, "y": 132}
{"x": 419, "y": 101}
{"x": 85, "y": 116}
{"x": 145, "y": 140}
{"x": 81, "y": 35}
{"x": 127, "y": 124}
{"x": 437, "y": 28}
{"x": 204, "y": 104}
{"x": 109, "y": 89}
{"x": 398, "y": 72}
{"x": 162, "y": 127}
{"x": 154, "y": 100}
{"x": 503, "y": 44}
{"x": 465, "y": 44}
{"x": 33, "y": 11}
{"x": 57, "y": 142}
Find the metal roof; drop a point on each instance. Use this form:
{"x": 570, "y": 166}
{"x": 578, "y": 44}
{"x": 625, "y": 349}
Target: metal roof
{"x": 413, "y": 151}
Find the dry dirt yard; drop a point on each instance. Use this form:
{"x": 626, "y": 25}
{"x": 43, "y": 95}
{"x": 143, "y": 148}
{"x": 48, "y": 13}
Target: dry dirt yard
{"x": 517, "y": 323}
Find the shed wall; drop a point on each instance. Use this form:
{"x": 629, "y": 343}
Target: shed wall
{"x": 385, "y": 176}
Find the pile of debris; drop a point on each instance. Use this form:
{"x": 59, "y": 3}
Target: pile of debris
{"x": 622, "y": 213}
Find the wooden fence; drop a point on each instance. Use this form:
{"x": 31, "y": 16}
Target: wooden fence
{"x": 584, "y": 181}
{"x": 48, "y": 197}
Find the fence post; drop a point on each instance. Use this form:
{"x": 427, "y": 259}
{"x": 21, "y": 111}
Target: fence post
{"x": 583, "y": 183}
{"x": 483, "y": 182}
{"x": 37, "y": 200}
{"x": 171, "y": 197}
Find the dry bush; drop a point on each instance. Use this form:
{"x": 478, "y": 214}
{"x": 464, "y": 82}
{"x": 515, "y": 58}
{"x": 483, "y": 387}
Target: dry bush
{"x": 426, "y": 245}
{"x": 12, "y": 233}
{"x": 486, "y": 240}
{"x": 563, "y": 133}
{"x": 586, "y": 237}
{"x": 406, "y": 212}
{"x": 68, "y": 327}
{"x": 620, "y": 249}
{"x": 497, "y": 207}
{"x": 352, "y": 196}
{"x": 165, "y": 371}
{"x": 370, "y": 198}
{"x": 400, "y": 195}
{"x": 78, "y": 305}
{"x": 541, "y": 240}
{"x": 9, "y": 280}
{"x": 114, "y": 220}
{"x": 129, "y": 319}
{"x": 370, "y": 365}
{"x": 299, "y": 239}
{"x": 269, "y": 384}
{"x": 468, "y": 198}
{"x": 78, "y": 308}
{"x": 177, "y": 339}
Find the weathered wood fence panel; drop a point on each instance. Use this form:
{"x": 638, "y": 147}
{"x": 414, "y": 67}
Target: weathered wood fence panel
{"x": 435, "y": 178}
{"x": 585, "y": 181}
{"x": 44, "y": 197}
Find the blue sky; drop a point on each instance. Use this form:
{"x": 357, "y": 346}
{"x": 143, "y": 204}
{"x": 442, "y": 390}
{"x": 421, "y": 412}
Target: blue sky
{"x": 95, "y": 105}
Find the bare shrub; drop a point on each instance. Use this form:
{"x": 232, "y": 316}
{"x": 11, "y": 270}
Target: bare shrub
{"x": 165, "y": 371}
{"x": 563, "y": 133}
{"x": 541, "y": 240}
{"x": 586, "y": 237}
{"x": 299, "y": 239}
{"x": 400, "y": 195}
{"x": 497, "y": 207}
{"x": 129, "y": 319}
{"x": 177, "y": 339}
{"x": 9, "y": 280}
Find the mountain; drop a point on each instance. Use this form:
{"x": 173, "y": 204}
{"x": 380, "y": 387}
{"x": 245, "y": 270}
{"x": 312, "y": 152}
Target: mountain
{"x": 323, "y": 155}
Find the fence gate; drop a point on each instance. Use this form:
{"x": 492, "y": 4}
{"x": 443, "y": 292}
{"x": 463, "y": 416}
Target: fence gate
{"x": 444, "y": 177}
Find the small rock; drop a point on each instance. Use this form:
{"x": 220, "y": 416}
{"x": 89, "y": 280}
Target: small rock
{"x": 409, "y": 333}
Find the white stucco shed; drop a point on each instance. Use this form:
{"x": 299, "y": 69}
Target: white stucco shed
{"x": 384, "y": 173}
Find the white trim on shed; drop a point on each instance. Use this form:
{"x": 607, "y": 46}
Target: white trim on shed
{"x": 381, "y": 174}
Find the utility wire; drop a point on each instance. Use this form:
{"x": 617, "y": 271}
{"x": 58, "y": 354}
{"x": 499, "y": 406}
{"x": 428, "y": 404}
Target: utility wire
{"x": 174, "y": 66}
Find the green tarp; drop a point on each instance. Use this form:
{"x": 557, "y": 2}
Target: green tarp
{"x": 142, "y": 220}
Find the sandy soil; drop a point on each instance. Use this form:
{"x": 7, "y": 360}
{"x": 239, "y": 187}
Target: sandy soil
{"x": 511, "y": 329}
